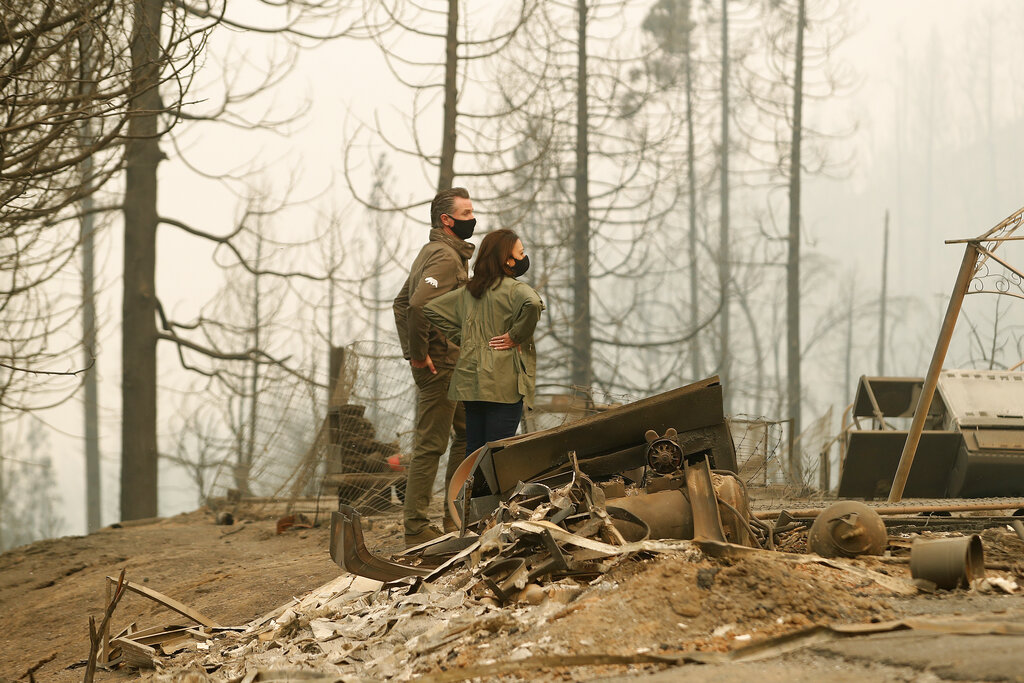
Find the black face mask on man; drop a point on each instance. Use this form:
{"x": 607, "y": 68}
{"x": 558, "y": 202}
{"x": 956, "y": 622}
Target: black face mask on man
{"x": 522, "y": 265}
{"x": 463, "y": 229}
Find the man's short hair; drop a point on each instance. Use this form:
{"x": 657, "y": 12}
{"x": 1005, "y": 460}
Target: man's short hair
{"x": 444, "y": 202}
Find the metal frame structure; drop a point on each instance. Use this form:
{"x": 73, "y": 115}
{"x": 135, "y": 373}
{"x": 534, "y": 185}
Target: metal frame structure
{"x": 974, "y": 277}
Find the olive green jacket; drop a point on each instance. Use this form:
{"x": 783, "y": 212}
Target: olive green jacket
{"x": 439, "y": 268}
{"x": 483, "y": 374}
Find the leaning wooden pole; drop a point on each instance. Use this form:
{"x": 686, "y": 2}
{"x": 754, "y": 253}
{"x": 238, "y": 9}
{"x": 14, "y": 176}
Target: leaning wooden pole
{"x": 931, "y": 380}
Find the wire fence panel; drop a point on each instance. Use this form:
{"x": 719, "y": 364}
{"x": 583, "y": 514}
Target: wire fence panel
{"x": 372, "y": 420}
{"x": 759, "y": 450}
{"x": 300, "y": 441}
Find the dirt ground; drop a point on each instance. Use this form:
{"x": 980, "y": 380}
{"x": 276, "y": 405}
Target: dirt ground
{"x": 232, "y": 574}
{"x": 658, "y": 603}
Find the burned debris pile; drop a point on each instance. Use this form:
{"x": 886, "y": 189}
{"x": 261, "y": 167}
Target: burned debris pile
{"x": 532, "y": 509}
{"x": 625, "y": 539}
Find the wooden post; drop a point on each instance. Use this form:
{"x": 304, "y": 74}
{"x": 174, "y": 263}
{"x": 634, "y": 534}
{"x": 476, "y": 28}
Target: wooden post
{"x": 793, "y": 475}
{"x": 823, "y": 469}
{"x": 105, "y": 650}
{"x": 337, "y": 396}
{"x": 931, "y": 380}
{"x": 335, "y": 387}
{"x": 884, "y": 298}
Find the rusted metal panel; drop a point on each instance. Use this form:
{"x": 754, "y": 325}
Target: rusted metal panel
{"x": 872, "y": 458}
{"x": 694, "y": 411}
{"x": 989, "y": 474}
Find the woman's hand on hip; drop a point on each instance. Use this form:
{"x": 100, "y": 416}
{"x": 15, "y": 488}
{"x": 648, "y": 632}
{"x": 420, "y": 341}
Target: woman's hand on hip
{"x": 502, "y": 343}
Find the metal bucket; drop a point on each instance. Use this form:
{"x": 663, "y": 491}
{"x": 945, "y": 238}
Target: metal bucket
{"x": 948, "y": 562}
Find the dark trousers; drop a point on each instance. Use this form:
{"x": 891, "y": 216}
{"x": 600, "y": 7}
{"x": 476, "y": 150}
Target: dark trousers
{"x": 488, "y": 421}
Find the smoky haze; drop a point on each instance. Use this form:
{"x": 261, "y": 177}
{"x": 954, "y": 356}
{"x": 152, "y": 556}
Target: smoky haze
{"x": 321, "y": 155}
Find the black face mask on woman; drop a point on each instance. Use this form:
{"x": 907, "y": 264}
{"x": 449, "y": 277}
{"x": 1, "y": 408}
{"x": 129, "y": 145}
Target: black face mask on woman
{"x": 463, "y": 229}
{"x": 522, "y": 265}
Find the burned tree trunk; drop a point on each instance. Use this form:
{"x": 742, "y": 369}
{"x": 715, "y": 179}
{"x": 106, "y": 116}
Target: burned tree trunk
{"x": 724, "y": 272}
{"x": 447, "y": 164}
{"x": 581, "y": 334}
{"x": 138, "y": 350}
{"x": 691, "y": 171}
{"x": 793, "y": 263}
{"x": 90, "y": 399}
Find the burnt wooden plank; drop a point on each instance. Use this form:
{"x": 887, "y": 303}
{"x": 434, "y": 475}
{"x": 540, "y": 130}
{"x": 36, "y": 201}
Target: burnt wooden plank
{"x": 170, "y": 603}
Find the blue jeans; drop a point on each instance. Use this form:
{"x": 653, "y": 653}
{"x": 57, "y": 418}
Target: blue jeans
{"x": 487, "y": 421}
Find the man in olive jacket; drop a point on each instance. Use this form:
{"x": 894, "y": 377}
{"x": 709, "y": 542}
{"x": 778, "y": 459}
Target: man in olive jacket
{"x": 440, "y": 267}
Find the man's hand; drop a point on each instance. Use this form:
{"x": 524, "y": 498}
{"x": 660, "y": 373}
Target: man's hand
{"x": 425, "y": 363}
{"x": 502, "y": 343}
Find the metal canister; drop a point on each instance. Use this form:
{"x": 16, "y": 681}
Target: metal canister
{"x": 948, "y": 562}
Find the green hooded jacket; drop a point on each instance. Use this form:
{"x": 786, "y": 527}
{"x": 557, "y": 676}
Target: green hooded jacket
{"x": 483, "y": 374}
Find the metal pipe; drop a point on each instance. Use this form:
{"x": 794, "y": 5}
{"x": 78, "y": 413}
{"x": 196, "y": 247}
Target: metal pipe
{"x": 931, "y": 380}
{"x": 903, "y": 509}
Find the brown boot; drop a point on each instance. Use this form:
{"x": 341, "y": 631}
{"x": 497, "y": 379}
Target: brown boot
{"x": 427, "y": 533}
{"x": 450, "y": 525}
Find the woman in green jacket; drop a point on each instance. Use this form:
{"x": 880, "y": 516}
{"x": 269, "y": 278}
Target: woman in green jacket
{"x": 492, "y": 319}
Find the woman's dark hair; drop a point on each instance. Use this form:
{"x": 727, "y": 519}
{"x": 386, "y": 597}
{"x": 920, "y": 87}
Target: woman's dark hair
{"x": 491, "y": 261}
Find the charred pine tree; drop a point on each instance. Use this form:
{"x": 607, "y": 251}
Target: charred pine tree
{"x": 582, "y": 365}
{"x": 792, "y": 67}
{"x": 672, "y": 23}
{"x": 724, "y": 264}
{"x": 465, "y": 145}
{"x": 167, "y": 60}
{"x": 138, "y": 321}
{"x": 793, "y": 386}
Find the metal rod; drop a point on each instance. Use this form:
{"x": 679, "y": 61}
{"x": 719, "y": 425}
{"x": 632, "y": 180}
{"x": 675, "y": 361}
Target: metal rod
{"x": 903, "y": 509}
{"x": 931, "y": 380}
{"x": 975, "y": 240}
{"x": 1016, "y": 296}
{"x": 874, "y": 403}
